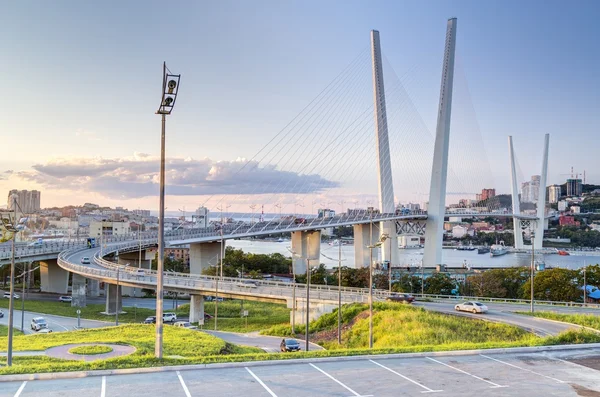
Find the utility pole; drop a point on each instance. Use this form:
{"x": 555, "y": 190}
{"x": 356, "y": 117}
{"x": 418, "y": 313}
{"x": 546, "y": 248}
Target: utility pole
{"x": 340, "y": 286}
{"x": 12, "y": 288}
{"x": 584, "y": 284}
{"x": 532, "y": 266}
{"x": 307, "y": 291}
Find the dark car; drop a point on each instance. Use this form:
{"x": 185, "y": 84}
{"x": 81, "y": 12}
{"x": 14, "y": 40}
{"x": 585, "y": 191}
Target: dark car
{"x": 207, "y": 316}
{"x": 1, "y": 314}
{"x": 402, "y": 298}
{"x": 150, "y": 320}
{"x": 289, "y": 345}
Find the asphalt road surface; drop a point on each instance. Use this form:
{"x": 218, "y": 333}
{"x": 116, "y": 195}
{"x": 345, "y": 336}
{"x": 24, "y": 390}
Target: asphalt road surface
{"x": 270, "y": 344}
{"x": 539, "y": 326}
{"x": 542, "y": 374}
{"x": 55, "y": 323}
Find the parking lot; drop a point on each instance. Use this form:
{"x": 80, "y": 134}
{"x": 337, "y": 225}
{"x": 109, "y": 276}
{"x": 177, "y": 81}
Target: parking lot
{"x": 532, "y": 374}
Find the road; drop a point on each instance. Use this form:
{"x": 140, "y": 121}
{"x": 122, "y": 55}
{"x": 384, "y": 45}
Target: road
{"x": 497, "y": 313}
{"x": 55, "y": 323}
{"x": 270, "y": 344}
{"x": 559, "y": 373}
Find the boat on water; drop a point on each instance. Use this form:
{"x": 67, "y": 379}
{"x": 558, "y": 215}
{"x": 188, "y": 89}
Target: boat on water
{"x": 563, "y": 253}
{"x": 466, "y": 248}
{"x": 498, "y": 249}
{"x": 483, "y": 250}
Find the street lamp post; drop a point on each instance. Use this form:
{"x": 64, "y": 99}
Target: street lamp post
{"x": 340, "y": 288}
{"x": 377, "y": 244}
{"x": 532, "y": 267}
{"x": 584, "y": 284}
{"x": 307, "y": 293}
{"x": 169, "y": 96}
{"x": 12, "y": 289}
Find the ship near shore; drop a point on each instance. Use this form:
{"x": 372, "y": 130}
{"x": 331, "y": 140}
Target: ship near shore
{"x": 498, "y": 249}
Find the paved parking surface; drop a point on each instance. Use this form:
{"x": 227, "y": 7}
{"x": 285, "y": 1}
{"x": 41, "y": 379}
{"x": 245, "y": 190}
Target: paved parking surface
{"x": 533, "y": 374}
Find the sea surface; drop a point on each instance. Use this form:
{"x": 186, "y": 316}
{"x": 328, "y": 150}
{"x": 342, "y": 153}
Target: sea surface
{"x": 413, "y": 257}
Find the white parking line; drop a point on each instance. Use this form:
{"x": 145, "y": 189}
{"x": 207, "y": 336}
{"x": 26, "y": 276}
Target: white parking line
{"x": 494, "y": 385}
{"x": 427, "y": 390}
{"x": 521, "y": 368}
{"x": 18, "y": 393}
{"x": 185, "y": 389}
{"x": 103, "y": 387}
{"x": 338, "y": 382}
{"x": 261, "y": 382}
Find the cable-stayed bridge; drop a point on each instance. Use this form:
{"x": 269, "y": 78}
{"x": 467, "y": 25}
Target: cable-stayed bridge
{"x": 331, "y": 140}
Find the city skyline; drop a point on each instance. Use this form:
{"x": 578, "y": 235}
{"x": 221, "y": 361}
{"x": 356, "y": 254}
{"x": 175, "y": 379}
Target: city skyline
{"x": 90, "y": 141}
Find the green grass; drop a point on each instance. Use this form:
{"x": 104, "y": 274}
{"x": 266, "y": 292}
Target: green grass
{"x": 407, "y": 327}
{"x": 91, "y": 349}
{"x": 586, "y": 320}
{"x": 4, "y": 331}
{"x": 191, "y": 346}
{"x": 261, "y": 315}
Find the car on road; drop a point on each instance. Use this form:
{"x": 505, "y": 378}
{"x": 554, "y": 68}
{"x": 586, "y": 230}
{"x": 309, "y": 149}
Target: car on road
{"x": 38, "y": 323}
{"x": 65, "y": 299}
{"x": 402, "y": 298}
{"x": 471, "y": 306}
{"x": 289, "y": 345}
{"x": 185, "y": 324}
{"x": 139, "y": 272}
{"x": 85, "y": 260}
{"x": 169, "y": 317}
{"x": 7, "y": 295}
{"x": 44, "y": 331}
{"x": 1, "y": 314}
{"x": 150, "y": 320}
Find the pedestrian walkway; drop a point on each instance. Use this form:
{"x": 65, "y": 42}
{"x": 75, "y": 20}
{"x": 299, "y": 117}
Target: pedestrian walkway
{"x": 62, "y": 352}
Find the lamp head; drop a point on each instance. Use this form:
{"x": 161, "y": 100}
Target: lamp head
{"x": 171, "y": 86}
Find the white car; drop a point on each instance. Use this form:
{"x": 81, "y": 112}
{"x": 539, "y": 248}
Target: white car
{"x": 7, "y": 295}
{"x": 139, "y": 272}
{"x": 85, "y": 260}
{"x": 65, "y": 299}
{"x": 169, "y": 317}
{"x": 185, "y": 324}
{"x": 471, "y": 306}
{"x": 38, "y": 323}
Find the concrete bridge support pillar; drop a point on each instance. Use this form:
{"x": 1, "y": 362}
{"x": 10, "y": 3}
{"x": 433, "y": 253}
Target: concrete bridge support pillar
{"x": 204, "y": 255}
{"x": 93, "y": 288}
{"x": 365, "y": 235}
{"x": 133, "y": 260}
{"x": 53, "y": 277}
{"x": 197, "y": 309}
{"x": 78, "y": 291}
{"x": 113, "y": 294}
{"x": 316, "y": 310}
{"x": 306, "y": 246}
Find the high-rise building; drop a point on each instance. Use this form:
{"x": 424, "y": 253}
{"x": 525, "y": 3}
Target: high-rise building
{"x": 554, "y": 193}
{"x": 574, "y": 187}
{"x": 534, "y": 188}
{"x": 200, "y": 219}
{"x": 28, "y": 201}
{"x": 525, "y": 192}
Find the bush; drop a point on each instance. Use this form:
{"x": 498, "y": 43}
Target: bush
{"x": 89, "y": 350}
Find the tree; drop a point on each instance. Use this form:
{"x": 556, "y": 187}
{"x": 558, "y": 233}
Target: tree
{"x": 407, "y": 283}
{"x": 554, "y": 285}
{"x": 592, "y": 275}
{"x": 439, "y": 284}
{"x": 486, "y": 284}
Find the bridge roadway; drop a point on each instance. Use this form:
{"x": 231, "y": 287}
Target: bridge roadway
{"x": 259, "y": 290}
{"x": 50, "y": 250}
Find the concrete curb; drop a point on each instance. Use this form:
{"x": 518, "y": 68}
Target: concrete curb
{"x": 129, "y": 371}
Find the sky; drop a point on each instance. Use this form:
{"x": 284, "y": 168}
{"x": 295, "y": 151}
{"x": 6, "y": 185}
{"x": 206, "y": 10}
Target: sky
{"x": 82, "y": 82}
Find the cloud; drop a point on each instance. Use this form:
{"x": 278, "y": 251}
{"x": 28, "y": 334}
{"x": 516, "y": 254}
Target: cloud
{"x": 138, "y": 176}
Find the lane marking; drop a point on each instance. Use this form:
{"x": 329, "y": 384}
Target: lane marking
{"x": 18, "y": 393}
{"x": 427, "y": 390}
{"x": 521, "y": 368}
{"x": 185, "y": 389}
{"x": 261, "y": 382}
{"x": 337, "y": 381}
{"x": 103, "y": 387}
{"x": 494, "y": 385}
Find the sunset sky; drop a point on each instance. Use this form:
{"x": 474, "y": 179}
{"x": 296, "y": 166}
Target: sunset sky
{"x": 82, "y": 81}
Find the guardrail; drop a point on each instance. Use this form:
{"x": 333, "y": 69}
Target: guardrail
{"x": 506, "y": 300}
